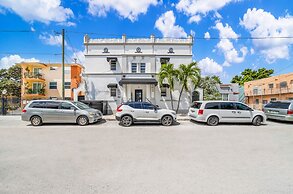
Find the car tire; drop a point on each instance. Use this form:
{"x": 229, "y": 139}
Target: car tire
{"x": 257, "y": 121}
{"x": 213, "y": 121}
{"x": 36, "y": 121}
{"x": 126, "y": 121}
{"x": 167, "y": 120}
{"x": 82, "y": 120}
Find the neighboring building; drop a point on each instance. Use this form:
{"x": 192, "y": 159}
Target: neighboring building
{"x": 229, "y": 91}
{"x": 44, "y": 81}
{"x": 120, "y": 70}
{"x": 260, "y": 92}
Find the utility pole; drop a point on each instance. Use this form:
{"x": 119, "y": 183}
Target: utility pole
{"x": 63, "y": 65}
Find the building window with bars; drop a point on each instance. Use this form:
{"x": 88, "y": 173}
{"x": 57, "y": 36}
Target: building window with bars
{"x": 113, "y": 65}
{"x": 164, "y": 91}
{"x": 113, "y": 92}
{"x": 53, "y": 85}
{"x": 271, "y": 86}
{"x": 133, "y": 68}
{"x": 142, "y": 68}
{"x": 67, "y": 85}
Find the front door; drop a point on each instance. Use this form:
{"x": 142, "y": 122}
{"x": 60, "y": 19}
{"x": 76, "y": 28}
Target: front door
{"x": 138, "y": 96}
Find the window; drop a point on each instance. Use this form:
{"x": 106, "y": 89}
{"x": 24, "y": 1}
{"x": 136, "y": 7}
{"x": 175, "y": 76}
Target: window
{"x": 113, "y": 65}
{"x": 240, "y": 106}
{"x": 142, "y": 68}
{"x": 67, "y": 106}
{"x": 225, "y": 96}
{"x": 227, "y": 106}
{"x": 256, "y": 101}
{"x": 273, "y": 99}
{"x": 280, "y": 105}
{"x": 37, "y": 87}
{"x": 37, "y": 71}
{"x": 196, "y": 105}
{"x": 53, "y": 85}
{"x": 135, "y": 105}
{"x": 148, "y": 106}
{"x": 271, "y": 86}
{"x": 255, "y": 91}
{"x": 113, "y": 92}
{"x": 52, "y": 105}
{"x": 133, "y": 67}
{"x": 212, "y": 105}
{"x": 163, "y": 91}
{"x": 40, "y": 104}
{"x": 67, "y": 85}
{"x": 283, "y": 85}
{"x": 53, "y": 68}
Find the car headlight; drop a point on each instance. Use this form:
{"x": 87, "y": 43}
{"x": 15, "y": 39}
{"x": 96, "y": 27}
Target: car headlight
{"x": 92, "y": 113}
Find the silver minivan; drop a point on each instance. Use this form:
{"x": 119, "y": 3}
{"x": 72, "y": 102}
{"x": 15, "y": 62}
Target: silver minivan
{"x": 59, "y": 111}
{"x": 279, "y": 110}
{"x": 215, "y": 112}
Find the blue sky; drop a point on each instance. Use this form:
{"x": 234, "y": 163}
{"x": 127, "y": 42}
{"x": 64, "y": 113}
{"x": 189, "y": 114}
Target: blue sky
{"x": 223, "y": 30}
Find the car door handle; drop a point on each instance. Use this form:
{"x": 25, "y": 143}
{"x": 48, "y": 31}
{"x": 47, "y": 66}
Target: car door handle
{"x": 147, "y": 112}
{"x": 234, "y": 112}
{"x": 239, "y": 112}
{"x": 132, "y": 111}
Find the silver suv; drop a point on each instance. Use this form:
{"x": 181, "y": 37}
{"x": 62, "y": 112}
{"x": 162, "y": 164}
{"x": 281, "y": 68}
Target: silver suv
{"x": 138, "y": 112}
{"x": 59, "y": 111}
{"x": 215, "y": 112}
{"x": 279, "y": 110}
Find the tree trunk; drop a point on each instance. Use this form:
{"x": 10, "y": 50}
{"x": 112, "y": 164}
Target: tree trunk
{"x": 179, "y": 99}
{"x": 172, "y": 105}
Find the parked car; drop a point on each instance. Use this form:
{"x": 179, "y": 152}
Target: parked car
{"x": 279, "y": 110}
{"x": 142, "y": 112}
{"x": 215, "y": 112}
{"x": 59, "y": 111}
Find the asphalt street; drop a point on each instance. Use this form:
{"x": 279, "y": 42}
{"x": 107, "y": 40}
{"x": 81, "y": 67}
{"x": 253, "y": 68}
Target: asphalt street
{"x": 107, "y": 158}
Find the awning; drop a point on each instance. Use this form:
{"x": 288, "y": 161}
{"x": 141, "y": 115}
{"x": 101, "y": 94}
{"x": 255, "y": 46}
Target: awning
{"x": 112, "y": 85}
{"x": 114, "y": 59}
{"x": 138, "y": 81}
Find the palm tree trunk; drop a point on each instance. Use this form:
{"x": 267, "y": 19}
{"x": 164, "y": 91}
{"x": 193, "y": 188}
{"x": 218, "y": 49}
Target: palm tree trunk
{"x": 172, "y": 105}
{"x": 179, "y": 99}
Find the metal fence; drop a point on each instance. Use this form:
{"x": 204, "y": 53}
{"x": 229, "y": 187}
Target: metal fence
{"x": 10, "y": 105}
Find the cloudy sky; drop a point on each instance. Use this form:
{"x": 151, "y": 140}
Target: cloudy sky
{"x": 230, "y": 35}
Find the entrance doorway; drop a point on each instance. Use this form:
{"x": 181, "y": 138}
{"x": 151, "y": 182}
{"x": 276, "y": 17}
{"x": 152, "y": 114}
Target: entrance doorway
{"x": 138, "y": 95}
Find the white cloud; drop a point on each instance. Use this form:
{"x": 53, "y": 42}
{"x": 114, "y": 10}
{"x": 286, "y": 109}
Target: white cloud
{"x": 263, "y": 24}
{"x": 53, "y": 40}
{"x": 79, "y": 56}
{"x": 207, "y": 35}
{"x": 127, "y": 9}
{"x": 227, "y": 47}
{"x": 166, "y": 24}
{"x": 194, "y": 19}
{"x": 10, "y": 60}
{"x": 201, "y": 7}
{"x": 209, "y": 66}
{"x": 44, "y": 11}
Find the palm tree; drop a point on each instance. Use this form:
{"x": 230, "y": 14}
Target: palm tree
{"x": 168, "y": 72}
{"x": 187, "y": 73}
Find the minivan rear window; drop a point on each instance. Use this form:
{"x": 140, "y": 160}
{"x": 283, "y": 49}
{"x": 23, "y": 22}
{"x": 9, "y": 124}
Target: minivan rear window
{"x": 227, "y": 106}
{"x": 196, "y": 105}
{"x": 212, "y": 105}
{"x": 38, "y": 104}
{"x": 280, "y": 105}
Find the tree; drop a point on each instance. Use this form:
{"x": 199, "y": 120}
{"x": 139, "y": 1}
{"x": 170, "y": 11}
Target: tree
{"x": 210, "y": 91}
{"x": 10, "y": 79}
{"x": 167, "y": 72}
{"x": 188, "y": 73}
{"x": 250, "y": 75}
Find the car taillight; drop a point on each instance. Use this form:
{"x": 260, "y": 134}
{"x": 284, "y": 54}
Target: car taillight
{"x": 23, "y": 110}
{"x": 200, "y": 112}
{"x": 290, "y": 112}
{"x": 119, "y": 108}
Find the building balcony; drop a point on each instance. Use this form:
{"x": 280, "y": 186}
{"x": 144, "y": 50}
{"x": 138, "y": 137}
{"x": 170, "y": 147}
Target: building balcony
{"x": 34, "y": 93}
{"x": 29, "y": 76}
{"x": 272, "y": 91}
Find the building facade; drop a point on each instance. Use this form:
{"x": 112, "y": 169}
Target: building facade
{"x": 229, "y": 91}
{"x": 120, "y": 70}
{"x": 259, "y": 92}
{"x": 44, "y": 81}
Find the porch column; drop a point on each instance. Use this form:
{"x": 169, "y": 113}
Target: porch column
{"x": 129, "y": 88}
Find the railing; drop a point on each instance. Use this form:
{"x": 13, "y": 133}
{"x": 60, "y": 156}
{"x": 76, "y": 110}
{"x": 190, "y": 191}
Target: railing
{"x": 31, "y": 75}
{"x": 40, "y": 91}
{"x": 270, "y": 91}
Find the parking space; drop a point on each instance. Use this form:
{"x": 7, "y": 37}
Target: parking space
{"x": 107, "y": 158}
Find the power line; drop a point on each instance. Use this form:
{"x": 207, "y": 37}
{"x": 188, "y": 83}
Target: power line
{"x": 70, "y": 44}
{"x": 12, "y": 31}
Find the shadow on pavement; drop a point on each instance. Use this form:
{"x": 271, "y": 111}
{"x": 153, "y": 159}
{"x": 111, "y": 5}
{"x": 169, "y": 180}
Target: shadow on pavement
{"x": 70, "y": 124}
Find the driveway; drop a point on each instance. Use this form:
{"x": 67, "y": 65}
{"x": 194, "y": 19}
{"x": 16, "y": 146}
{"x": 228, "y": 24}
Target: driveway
{"x": 107, "y": 158}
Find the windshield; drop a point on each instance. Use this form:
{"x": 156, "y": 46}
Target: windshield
{"x": 81, "y": 105}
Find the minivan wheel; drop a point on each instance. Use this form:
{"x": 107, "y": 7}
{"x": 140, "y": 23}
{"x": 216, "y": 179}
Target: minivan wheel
{"x": 36, "y": 121}
{"x": 167, "y": 120}
{"x": 82, "y": 120}
{"x": 257, "y": 121}
{"x": 126, "y": 121}
{"x": 213, "y": 121}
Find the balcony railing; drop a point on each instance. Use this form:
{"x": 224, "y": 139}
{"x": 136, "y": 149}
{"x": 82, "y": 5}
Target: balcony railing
{"x": 270, "y": 91}
{"x": 30, "y": 75}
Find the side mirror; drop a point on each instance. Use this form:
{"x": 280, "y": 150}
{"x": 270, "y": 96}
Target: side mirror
{"x": 73, "y": 108}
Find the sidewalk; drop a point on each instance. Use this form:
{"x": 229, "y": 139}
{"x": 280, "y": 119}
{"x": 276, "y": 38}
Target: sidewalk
{"x": 180, "y": 117}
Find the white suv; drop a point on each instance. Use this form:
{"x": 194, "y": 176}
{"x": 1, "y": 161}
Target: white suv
{"x": 137, "y": 112}
{"x": 214, "y": 112}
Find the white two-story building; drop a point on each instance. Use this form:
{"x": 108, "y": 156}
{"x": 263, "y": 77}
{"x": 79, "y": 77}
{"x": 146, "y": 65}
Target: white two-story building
{"x": 120, "y": 70}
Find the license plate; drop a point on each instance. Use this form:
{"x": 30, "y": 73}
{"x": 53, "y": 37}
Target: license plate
{"x": 273, "y": 111}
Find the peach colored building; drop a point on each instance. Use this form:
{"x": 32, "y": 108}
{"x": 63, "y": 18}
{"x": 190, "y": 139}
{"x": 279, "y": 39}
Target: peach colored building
{"x": 44, "y": 81}
{"x": 260, "y": 92}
